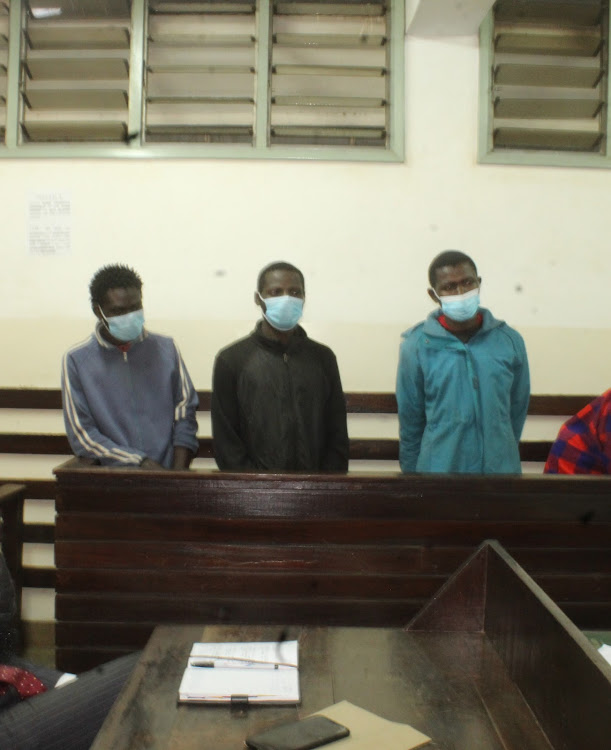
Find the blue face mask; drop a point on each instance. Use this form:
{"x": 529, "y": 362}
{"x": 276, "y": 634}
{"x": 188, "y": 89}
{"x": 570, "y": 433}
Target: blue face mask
{"x": 125, "y": 327}
{"x": 460, "y": 307}
{"x": 282, "y": 313}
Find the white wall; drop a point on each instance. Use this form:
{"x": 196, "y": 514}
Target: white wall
{"x": 198, "y": 231}
{"x": 364, "y": 234}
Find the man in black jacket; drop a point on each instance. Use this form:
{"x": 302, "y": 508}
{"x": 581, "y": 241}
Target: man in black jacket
{"x": 277, "y": 400}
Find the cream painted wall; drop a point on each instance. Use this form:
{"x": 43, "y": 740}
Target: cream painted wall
{"x": 364, "y": 234}
{"x": 198, "y": 232}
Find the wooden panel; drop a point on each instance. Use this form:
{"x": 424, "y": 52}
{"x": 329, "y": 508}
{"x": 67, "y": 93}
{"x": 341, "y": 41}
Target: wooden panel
{"x": 429, "y": 535}
{"x": 326, "y": 497}
{"x": 40, "y": 445}
{"x": 11, "y": 515}
{"x": 39, "y": 578}
{"x": 360, "y": 449}
{"x": 39, "y": 533}
{"x": 341, "y": 549}
{"x": 356, "y": 402}
{"x": 535, "y": 639}
{"x": 38, "y": 489}
{"x": 189, "y": 557}
{"x": 30, "y": 398}
{"x": 268, "y": 587}
{"x": 144, "y": 607}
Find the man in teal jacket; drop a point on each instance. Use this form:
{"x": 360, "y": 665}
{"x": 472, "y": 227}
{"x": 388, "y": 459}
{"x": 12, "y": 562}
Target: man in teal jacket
{"x": 463, "y": 383}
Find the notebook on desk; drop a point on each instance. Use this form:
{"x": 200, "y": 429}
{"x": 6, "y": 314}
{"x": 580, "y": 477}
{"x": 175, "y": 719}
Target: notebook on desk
{"x": 266, "y": 672}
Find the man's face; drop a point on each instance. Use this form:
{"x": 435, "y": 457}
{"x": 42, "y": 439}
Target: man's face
{"x": 451, "y": 280}
{"x": 280, "y": 284}
{"x": 120, "y": 301}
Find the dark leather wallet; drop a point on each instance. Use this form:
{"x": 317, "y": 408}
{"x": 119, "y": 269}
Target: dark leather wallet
{"x": 304, "y": 734}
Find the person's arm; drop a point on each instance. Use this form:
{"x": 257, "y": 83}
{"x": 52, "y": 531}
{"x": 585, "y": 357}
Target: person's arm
{"x": 230, "y": 451}
{"x": 337, "y": 446}
{"x": 185, "y": 421}
{"x": 181, "y": 460}
{"x": 411, "y": 406}
{"x": 577, "y": 449}
{"x": 84, "y": 437}
{"x": 520, "y": 389}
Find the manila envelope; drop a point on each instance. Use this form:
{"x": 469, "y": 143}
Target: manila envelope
{"x": 369, "y": 731}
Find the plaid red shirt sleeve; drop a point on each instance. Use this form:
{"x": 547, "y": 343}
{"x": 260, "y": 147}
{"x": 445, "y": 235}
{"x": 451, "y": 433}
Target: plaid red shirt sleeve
{"x": 583, "y": 445}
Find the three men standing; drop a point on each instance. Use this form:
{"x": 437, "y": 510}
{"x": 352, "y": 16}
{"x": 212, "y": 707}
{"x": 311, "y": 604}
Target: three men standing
{"x": 277, "y": 400}
{"x": 463, "y": 382}
{"x": 127, "y": 396}
{"x": 277, "y": 403}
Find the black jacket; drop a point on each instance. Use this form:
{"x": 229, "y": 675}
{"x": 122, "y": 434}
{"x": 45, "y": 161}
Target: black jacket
{"x": 277, "y": 408}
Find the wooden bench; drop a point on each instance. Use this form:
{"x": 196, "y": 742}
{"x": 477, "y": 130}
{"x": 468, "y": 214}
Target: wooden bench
{"x": 357, "y": 403}
{"x": 134, "y": 549}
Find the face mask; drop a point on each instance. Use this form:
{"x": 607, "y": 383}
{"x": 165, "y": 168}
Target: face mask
{"x": 125, "y": 327}
{"x": 282, "y": 313}
{"x": 460, "y": 307}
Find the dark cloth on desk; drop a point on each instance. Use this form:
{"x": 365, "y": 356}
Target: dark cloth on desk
{"x": 278, "y": 408}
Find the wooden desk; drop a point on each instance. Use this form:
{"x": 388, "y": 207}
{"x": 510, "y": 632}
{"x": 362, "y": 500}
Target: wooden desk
{"x": 446, "y": 685}
{"x": 490, "y": 663}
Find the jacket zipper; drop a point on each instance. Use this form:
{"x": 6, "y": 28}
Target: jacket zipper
{"x": 134, "y": 404}
{"x": 285, "y": 357}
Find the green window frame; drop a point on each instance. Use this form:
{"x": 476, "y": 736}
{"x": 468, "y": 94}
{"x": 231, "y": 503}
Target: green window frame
{"x": 141, "y": 119}
{"x": 544, "y": 87}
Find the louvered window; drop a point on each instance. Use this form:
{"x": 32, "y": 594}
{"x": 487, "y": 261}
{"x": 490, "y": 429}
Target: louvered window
{"x": 190, "y": 78}
{"x": 75, "y": 71}
{"x": 200, "y": 71}
{"x": 330, "y": 73}
{"x": 4, "y": 35}
{"x": 548, "y": 76}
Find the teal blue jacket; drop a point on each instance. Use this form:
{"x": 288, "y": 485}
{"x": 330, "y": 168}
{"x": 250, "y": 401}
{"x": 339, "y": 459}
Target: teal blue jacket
{"x": 462, "y": 407}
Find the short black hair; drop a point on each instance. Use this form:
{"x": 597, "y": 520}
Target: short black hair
{"x": 278, "y": 266}
{"x": 115, "y": 276}
{"x": 448, "y": 258}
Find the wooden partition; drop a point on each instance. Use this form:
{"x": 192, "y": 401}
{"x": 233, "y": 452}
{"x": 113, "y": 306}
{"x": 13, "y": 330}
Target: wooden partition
{"x": 38, "y": 444}
{"x": 490, "y": 663}
{"x": 134, "y": 549}
{"x": 11, "y": 533}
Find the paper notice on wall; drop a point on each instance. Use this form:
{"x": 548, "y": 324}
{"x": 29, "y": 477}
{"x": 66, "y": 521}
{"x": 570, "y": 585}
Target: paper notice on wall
{"x": 49, "y": 224}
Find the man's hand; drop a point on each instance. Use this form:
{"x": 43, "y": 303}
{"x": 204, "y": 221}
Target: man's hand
{"x": 151, "y": 465}
{"x": 182, "y": 458}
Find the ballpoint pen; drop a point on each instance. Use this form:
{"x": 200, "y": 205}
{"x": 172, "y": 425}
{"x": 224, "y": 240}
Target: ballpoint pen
{"x": 211, "y": 660}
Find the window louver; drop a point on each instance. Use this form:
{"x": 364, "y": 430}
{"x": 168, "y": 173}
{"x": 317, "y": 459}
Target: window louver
{"x": 200, "y": 72}
{"x": 330, "y": 73}
{"x": 75, "y": 71}
{"x": 4, "y": 35}
{"x": 549, "y": 75}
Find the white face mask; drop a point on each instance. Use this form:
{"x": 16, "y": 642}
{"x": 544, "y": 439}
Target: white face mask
{"x": 460, "y": 307}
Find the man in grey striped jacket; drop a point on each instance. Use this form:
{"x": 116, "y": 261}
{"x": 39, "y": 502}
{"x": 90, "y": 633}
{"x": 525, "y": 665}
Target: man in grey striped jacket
{"x": 127, "y": 396}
